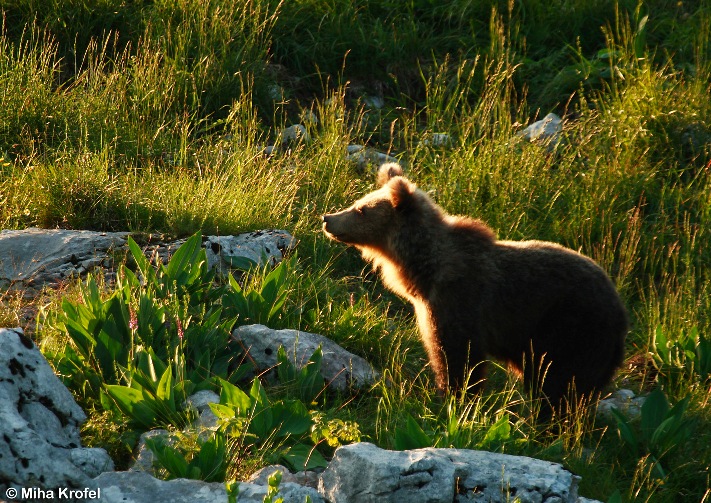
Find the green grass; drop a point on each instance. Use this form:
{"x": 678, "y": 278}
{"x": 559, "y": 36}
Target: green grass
{"x": 151, "y": 116}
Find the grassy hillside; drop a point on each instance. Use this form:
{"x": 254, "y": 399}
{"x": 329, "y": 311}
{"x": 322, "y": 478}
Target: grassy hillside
{"x": 153, "y": 116}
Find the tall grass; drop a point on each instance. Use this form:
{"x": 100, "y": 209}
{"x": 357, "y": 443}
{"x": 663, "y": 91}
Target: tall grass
{"x": 153, "y": 117}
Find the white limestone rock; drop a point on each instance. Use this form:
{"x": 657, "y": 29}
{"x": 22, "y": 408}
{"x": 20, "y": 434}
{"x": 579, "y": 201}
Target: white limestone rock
{"x": 140, "y": 487}
{"x": 35, "y": 257}
{"x": 625, "y": 401}
{"x": 365, "y": 473}
{"x": 259, "y": 247}
{"x": 546, "y": 131}
{"x": 39, "y": 423}
{"x": 364, "y": 157}
{"x": 339, "y": 367}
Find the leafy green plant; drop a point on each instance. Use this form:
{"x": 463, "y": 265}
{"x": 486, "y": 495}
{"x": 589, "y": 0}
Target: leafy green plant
{"x": 335, "y": 432}
{"x": 273, "y": 488}
{"x": 186, "y": 277}
{"x": 168, "y": 315}
{"x": 307, "y": 380}
{"x": 232, "y": 488}
{"x": 688, "y": 356}
{"x": 662, "y": 430}
{"x": 413, "y": 436}
{"x": 263, "y": 303}
{"x": 149, "y": 403}
{"x": 206, "y": 460}
{"x": 256, "y": 421}
{"x": 101, "y": 335}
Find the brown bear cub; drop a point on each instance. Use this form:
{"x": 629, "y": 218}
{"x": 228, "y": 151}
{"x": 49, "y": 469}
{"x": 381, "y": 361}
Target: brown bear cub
{"x": 546, "y": 311}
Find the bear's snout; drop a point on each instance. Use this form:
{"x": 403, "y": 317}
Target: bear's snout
{"x": 339, "y": 226}
{"x": 328, "y": 224}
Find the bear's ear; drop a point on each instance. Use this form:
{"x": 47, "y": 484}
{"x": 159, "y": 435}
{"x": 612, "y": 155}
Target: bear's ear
{"x": 388, "y": 171}
{"x": 402, "y": 192}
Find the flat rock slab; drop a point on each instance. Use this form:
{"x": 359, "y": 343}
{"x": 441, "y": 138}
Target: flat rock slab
{"x": 140, "y": 487}
{"x": 365, "y": 473}
{"x": 339, "y": 368}
{"x": 39, "y": 256}
{"x": 32, "y": 258}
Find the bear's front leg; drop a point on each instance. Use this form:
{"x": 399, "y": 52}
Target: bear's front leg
{"x": 466, "y": 368}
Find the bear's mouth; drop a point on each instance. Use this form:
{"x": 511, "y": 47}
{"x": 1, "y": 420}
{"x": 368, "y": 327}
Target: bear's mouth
{"x": 341, "y": 237}
{"x": 331, "y": 235}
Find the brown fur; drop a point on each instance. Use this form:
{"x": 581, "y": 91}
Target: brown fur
{"x": 547, "y": 311}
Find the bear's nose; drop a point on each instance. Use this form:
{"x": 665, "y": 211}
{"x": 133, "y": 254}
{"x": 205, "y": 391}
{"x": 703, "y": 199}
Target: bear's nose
{"x": 325, "y": 218}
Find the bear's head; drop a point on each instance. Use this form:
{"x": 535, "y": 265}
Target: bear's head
{"x": 371, "y": 220}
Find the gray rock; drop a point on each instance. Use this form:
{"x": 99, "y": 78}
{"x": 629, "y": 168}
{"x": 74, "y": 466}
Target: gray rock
{"x": 39, "y": 423}
{"x": 91, "y": 461}
{"x": 201, "y": 401}
{"x": 309, "y": 118}
{"x": 140, "y": 487}
{"x": 546, "y": 130}
{"x": 304, "y": 478}
{"x": 438, "y": 140}
{"x": 625, "y": 401}
{"x": 32, "y": 258}
{"x": 365, "y": 473}
{"x": 295, "y": 133}
{"x": 288, "y": 491}
{"x": 145, "y": 457}
{"x": 339, "y": 367}
{"x": 261, "y": 476}
{"x": 373, "y": 102}
{"x": 260, "y": 247}
{"x": 35, "y": 257}
{"x": 364, "y": 157}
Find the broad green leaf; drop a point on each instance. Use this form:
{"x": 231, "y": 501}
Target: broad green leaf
{"x": 273, "y": 283}
{"x": 132, "y": 403}
{"x": 262, "y": 421}
{"x": 625, "y": 430}
{"x": 412, "y": 436}
{"x": 241, "y": 263}
{"x": 498, "y": 432}
{"x": 640, "y": 37}
{"x": 222, "y": 411}
{"x": 182, "y": 260}
{"x": 661, "y": 344}
{"x": 170, "y": 458}
{"x": 212, "y": 458}
{"x": 291, "y": 418}
{"x": 303, "y": 457}
{"x": 233, "y": 283}
{"x": 311, "y": 381}
{"x": 654, "y": 411}
{"x": 141, "y": 261}
{"x": 232, "y": 396}
{"x": 149, "y": 365}
{"x": 286, "y": 371}
{"x": 668, "y": 436}
{"x": 84, "y": 341}
{"x": 164, "y": 391}
{"x": 277, "y": 306}
{"x": 108, "y": 351}
{"x": 91, "y": 295}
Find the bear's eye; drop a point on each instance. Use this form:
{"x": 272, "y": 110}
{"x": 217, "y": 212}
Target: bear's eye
{"x": 361, "y": 210}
